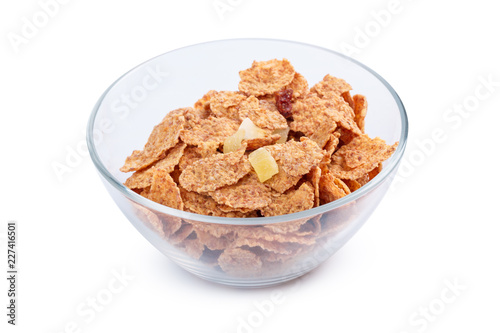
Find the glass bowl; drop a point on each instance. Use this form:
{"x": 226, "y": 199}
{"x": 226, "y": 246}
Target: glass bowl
{"x": 243, "y": 252}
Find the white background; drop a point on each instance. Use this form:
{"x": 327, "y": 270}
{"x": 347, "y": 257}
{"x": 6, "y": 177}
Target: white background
{"x": 438, "y": 227}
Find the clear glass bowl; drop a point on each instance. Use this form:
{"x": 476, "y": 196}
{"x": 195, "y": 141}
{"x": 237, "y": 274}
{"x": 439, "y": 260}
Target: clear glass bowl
{"x": 279, "y": 248}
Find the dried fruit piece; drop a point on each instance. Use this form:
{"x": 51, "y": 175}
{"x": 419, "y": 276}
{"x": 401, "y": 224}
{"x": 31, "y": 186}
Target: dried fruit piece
{"x": 266, "y": 77}
{"x": 284, "y": 102}
{"x": 233, "y": 142}
{"x": 283, "y": 133}
{"x": 251, "y": 131}
{"x": 291, "y": 202}
{"x": 164, "y": 136}
{"x": 263, "y": 163}
{"x": 208, "y": 174}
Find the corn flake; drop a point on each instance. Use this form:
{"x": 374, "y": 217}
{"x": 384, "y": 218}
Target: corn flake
{"x": 208, "y": 130}
{"x": 291, "y": 202}
{"x": 248, "y": 193}
{"x": 332, "y": 188}
{"x": 226, "y": 103}
{"x": 164, "y": 190}
{"x": 360, "y": 109}
{"x": 143, "y": 178}
{"x": 266, "y": 77}
{"x": 297, "y": 158}
{"x": 164, "y": 136}
{"x": 331, "y": 85}
{"x": 263, "y": 117}
{"x": 299, "y": 86}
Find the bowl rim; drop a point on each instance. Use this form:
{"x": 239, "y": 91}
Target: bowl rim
{"x": 392, "y": 162}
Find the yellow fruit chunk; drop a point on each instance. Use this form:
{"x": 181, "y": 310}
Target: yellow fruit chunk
{"x": 251, "y": 131}
{"x": 233, "y": 142}
{"x": 246, "y": 131}
{"x": 283, "y": 132}
{"x": 263, "y": 163}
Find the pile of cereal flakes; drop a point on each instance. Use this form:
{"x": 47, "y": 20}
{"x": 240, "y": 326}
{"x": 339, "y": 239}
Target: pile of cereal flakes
{"x": 274, "y": 147}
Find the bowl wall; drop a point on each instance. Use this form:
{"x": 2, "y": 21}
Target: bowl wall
{"x": 282, "y": 247}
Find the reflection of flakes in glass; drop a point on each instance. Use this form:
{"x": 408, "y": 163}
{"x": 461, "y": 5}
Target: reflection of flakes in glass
{"x": 302, "y": 227}
{"x": 214, "y": 243}
{"x": 193, "y": 247}
{"x": 237, "y": 261}
{"x": 271, "y": 235}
